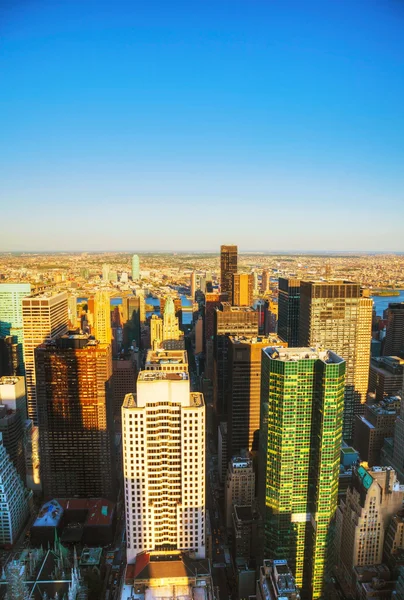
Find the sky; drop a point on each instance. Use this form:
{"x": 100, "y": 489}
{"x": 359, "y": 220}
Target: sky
{"x": 164, "y": 125}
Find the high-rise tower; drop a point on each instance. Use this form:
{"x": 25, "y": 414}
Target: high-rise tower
{"x": 394, "y": 343}
{"x": 289, "y": 310}
{"x": 173, "y": 337}
{"x": 229, "y": 320}
{"x": 135, "y": 267}
{"x": 244, "y": 390}
{"x": 11, "y": 295}
{"x": 102, "y": 317}
{"x": 164, "y": 465}
{"x": 75, "y": 415}
{"x": 242, "y": 289}
{"x": 302, "y": 399}
{"x": 45, "y": 316}
{"x": 334, "y": 315}
{"x": 228, "y": 266}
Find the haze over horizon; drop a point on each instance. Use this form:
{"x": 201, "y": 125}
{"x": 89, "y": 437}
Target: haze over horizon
{"x": 177, "y": 124}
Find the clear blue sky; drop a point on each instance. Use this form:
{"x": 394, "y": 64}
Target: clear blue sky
{"x": 148, "y": 125}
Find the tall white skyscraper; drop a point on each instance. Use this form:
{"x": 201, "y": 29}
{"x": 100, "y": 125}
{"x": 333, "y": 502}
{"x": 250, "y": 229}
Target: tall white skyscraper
{"x": 45, "y": 316}
{"x": 135, "y": 267}
{"x": 164, "y": 465}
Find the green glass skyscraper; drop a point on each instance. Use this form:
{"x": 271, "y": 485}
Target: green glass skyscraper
{"x": 302, "y": 400}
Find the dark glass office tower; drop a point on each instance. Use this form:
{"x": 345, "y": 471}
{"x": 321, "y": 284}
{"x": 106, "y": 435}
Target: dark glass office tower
{"x": 394, "y": 344}
{"x": 288, "y": 311}
{"x": 228, "y": 266}
{"x": 75, "y": 417}
{"x": 229, "y": 320}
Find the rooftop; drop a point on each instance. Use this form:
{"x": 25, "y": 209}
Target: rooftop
{"x": 161, "y": 356}
{"x": 269, "y": 340}
{"x": 152, "y": 376}
{"x": 296, "y": 354}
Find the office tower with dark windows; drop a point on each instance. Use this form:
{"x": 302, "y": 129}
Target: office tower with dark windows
{"x": 228, "y": 266}
{"x": 11, "y": 323}
{"x": 302, "y": 400}
{"x": 335, "y": 315}
{"x": 229, "y": 320}
{"x": 394, "y": 342}
{"x": 163, "y": 428}
{"x": 75, "y": 416}
{"x": 288, "y": 310}
{"x": 45, "y": 317}
{"x": 386, "y": 376}
{"x": 244, "y": 390}
{"x": 243, "y": 289}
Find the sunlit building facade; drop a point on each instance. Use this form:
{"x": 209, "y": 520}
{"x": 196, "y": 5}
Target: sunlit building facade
{"x": 334, "y": 314}
{"x": 302, "y": 399}
{"x": 228, "y": 266}
{"x": 164, "y": 465}
{"x": 45, "y": 317}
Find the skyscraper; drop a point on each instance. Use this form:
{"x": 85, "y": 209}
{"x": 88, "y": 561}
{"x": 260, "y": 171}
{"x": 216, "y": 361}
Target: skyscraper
{"x": 164, "y": 465}
{"x": 75, "y": 415}
{"x": 173, "y": 337}
{"x": 374, "y": 497}
{"x": 14, "y": 499}
{"x": 193, "y": 285}
{"x": 229, "y": 320}
{"x": 265, "y": 281}
{"x": 244, "y": 390}
{"x": 11, "y": 295}
{"x": 289, "y": 310}
{"x": 45, "y": 316}
{"x": 302, "y": 394}
{"x": 156, "y": 332}
{"x": 135, "y": 268}
{"x": 394, "y": 343}
{"x": 228, "y": 266}
{"x": 335, "y": 315}
{"x": 242, "y": 289}
{"x": 102, "y": 317}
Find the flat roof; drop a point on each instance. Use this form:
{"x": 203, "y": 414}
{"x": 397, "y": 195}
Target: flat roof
{"x": 296, "y": 354}
{"x": 271, "y": 339}
{"x": 151, "y": 376}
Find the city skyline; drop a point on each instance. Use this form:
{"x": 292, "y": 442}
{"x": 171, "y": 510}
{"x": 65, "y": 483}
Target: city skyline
{"x": 282, "y": 116}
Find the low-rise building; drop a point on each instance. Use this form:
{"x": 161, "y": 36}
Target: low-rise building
{"x": 276, "y": 582}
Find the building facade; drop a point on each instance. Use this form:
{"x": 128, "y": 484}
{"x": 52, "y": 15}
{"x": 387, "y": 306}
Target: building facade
{"x": 289, "y": 310}
{"x": 164, "y": 465}
{"x": 229, "y": 320}
{"x": 173, "y": 337}
{"x": 11, "y": 322}
{"x": 386, "y": 377}
{"x": 76, "y": 418}
{"x": 242, "y": 289}
{"x": 244, "y": 390}
{"x": 302, "y": 397}
{"x": 45, "y": 316}
{"x": 363, "y": 518}
{"x": 228, "y": 266}
{"x": 394, "y": 342}
{"x": 135, "y": 268}
{"x": 335, "y": 315}
{"x": 14, "y": 499}
{"x": 240, "y": 485}
{"x": 102, "y": 317}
